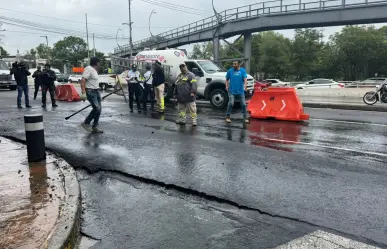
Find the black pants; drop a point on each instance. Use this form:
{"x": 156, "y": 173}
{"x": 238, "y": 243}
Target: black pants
{"x": 50, "y": 88}
{"x": 148, "y": 91}
{"x": 37, "y": 85}
{"x": 134, "y": 90}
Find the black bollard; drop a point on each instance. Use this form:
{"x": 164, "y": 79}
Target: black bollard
{"x": 36, "y": 147}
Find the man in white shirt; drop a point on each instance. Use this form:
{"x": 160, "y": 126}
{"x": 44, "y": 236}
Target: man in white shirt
{"x": 134, "y": 87}
{"x": 148, "y": 88}
{"x": 90, "y": 91}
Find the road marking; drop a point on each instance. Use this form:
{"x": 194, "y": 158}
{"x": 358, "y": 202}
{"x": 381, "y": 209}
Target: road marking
{"x": 347, "y": 122}
{"x": 264, "y": 105}
{"x": 283, "y": 102}
{"x": 325, "y": 146}
{"x": 323, "y": 240}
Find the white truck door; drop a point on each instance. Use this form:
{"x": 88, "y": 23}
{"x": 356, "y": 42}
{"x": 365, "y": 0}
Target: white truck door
{"x": 198, "y": 71}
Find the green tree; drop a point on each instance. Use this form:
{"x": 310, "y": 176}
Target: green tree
{"x": 71, "y": 49}
{"x": 202, "y": 51}
{"x": 361, "y": 51}
{"x": 275, "y": 60}
{"x": 43, "y": 51}
{"x": 103, "y": 66}
{"x": 3, "y": 52}
{"x": 306, "y": 47}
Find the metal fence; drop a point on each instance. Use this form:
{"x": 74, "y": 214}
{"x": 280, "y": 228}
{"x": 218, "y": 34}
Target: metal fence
{"x": 348, "y": 84}
{"x": 121, "y": 65}
{"x": 246, "y": 12}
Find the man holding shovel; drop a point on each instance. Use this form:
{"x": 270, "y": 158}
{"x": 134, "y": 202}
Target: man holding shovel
{"x": 90, "y": 91}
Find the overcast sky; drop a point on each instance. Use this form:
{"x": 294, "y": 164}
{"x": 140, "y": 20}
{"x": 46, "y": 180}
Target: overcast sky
{"x": 105, "y": 18}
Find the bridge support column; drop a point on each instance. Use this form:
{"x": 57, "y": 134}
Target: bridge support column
{"x": 216, "y": 44}
{"x": 247, "y": 49}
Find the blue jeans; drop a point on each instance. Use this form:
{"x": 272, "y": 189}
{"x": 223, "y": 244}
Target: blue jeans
{"x": 231, "y": 100}
{"x": 20, "y": 90}
{"x": 94, "y": 97}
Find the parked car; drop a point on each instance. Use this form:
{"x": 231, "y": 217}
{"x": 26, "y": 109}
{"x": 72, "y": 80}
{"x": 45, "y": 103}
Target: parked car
{"x": 371, "y": 82}
{"x": 276, "y": 82}
{"x": 62, "y": 78}
{"x": 258, "y": 86}
{"x": 75, "y": 78}
{"x": 320, "y": 83}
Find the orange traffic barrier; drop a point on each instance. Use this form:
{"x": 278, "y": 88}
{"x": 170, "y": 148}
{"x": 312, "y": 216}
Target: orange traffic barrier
{"x": 67, "y": 92}
{"x": 277, "y": 103}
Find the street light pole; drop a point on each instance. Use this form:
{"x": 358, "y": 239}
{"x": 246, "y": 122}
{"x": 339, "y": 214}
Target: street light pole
{"x": 153, "y": 12}
{"x": 118, "y": 45}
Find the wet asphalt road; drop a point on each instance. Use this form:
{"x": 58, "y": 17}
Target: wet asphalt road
{"x": 148, "y": 183}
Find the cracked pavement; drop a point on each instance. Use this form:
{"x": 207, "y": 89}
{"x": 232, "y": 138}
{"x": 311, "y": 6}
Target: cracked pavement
{"x": 147, "y": 183}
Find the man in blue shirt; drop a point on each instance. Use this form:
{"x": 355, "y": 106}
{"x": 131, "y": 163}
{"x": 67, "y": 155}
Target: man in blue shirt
{"x": 236, "y": 85}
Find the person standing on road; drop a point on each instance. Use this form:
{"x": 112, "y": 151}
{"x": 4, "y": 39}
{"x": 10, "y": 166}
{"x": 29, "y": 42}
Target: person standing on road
{"x": 185, "y": 92}
{"x": 236, "y": 85}
{"x": 159, "y": 86}
{"x": 37, "y": 75}
{"x": 48, "y": 84}
{"x": 134, "y": 88}
{"x": 90, "y": 91}
{"x": 20, "y": 73}
{"x": 148, "y": 88}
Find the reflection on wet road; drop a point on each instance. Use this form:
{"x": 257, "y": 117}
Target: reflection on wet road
{"x": 329, "y": 172}
{"x": 30, "y": 197}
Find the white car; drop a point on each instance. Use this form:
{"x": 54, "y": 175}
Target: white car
{"x": 75, "y": 78}
{"x": 276, "y": 82}
{"x": 320, "y": 83}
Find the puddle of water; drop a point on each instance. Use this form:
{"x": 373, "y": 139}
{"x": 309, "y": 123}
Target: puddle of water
{"x": 30, "y": 198}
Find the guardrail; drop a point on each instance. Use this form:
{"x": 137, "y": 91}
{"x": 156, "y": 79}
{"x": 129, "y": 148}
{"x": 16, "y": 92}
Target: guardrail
{"x": 348, "y": 84}
{"x": 246, "y": 12}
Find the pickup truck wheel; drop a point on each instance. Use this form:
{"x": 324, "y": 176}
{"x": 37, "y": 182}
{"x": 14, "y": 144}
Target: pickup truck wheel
{"x": 13, "y": 88}
{"x": 70, "y": 81}
{"x": 219, "y": 98}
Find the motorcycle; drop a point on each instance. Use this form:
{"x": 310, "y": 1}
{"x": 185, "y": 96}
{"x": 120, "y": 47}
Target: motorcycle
{"x": 370, "y": 98}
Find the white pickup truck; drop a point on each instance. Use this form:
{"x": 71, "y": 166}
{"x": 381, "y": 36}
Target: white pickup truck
{"x": 106, "y": 81}
{"x": 210, "y": 77}
{"x": 6, "y": 80}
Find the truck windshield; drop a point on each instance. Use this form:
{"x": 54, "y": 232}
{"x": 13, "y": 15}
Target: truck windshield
{"x": 209, "y": 66}
{"x": 3, "y": 65}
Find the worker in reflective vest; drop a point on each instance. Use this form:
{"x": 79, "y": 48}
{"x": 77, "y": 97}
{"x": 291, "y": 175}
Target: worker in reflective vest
{"x": 185, "y": 94}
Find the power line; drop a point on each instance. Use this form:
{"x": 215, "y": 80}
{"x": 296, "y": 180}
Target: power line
{"x": 181, "y": 6}
{"x": 34, "y": 33}
{"x": 96, "y": 24}
{"x": 55, "y": 18}
{"x": 175, "y": 7}
{"x": 44, "y": 26}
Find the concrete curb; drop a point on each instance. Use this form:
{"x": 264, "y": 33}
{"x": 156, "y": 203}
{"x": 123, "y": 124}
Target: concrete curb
{"x": 346, "y": 107}
{"x": 374, "y": 108}
{"x": 65, "y": 234}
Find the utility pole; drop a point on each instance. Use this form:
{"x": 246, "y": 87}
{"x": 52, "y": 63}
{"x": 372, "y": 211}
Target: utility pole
{"x": 130, "y": 30}
{"x": 45, "y": 36}
{"x": 87, "y": 37}
{"x": 93, "y": 45}
{"x": 48, "y": 51}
